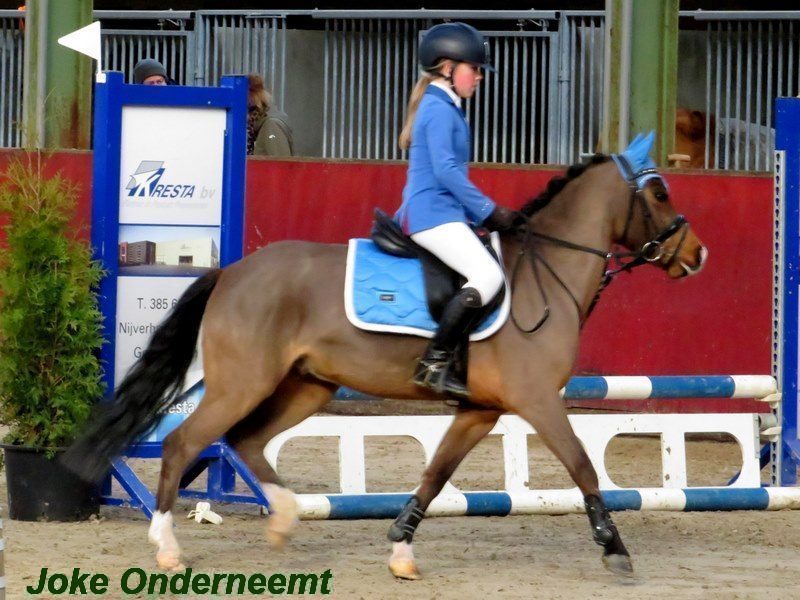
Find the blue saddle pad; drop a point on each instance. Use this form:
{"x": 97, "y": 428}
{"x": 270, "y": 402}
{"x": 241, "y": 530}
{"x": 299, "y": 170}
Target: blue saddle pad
{"x": 387, "y": 293}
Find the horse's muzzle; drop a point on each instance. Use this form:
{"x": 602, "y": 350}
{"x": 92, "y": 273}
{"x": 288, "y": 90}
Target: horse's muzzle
{"x": 702, "y": 256}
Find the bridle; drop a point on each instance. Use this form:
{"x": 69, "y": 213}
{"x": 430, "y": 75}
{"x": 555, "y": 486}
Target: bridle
{"x": 652, "y": 250}
{"x": 624, "y": 261}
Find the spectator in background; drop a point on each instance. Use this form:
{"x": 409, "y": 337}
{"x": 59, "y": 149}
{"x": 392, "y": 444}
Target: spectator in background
{"x": 268, "y": 130}
{"x": 149, "y": 71}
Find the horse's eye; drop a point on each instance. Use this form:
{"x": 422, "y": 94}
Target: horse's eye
{"x": 662, "y": 196}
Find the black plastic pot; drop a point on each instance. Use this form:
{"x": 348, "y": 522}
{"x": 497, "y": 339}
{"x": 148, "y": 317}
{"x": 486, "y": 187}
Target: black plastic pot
{"x": 41, "y": 489}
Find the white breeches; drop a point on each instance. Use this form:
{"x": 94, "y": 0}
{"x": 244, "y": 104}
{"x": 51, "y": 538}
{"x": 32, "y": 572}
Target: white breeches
{"x": 460, "y": 249}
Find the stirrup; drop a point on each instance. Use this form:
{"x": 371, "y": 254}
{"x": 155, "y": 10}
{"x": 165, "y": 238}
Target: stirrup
{"x": 436, "y": 376}
{"x": 429, "y": 374}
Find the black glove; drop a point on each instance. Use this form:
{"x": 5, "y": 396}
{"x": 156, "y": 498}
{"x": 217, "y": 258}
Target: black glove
{"x": 503, "y": 219}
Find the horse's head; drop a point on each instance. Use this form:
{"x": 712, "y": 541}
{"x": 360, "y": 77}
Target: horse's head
{"x": 652, "y": 229}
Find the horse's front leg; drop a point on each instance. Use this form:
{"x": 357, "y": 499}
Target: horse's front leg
{"x": 548, "y": 416}
{"x": 468, "y": 428}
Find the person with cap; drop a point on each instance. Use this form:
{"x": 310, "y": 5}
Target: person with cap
{"x": 149, "y": 71}
{"x": 440, "y": 202}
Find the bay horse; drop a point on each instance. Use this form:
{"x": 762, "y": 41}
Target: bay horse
{"x": 276, "y": 345}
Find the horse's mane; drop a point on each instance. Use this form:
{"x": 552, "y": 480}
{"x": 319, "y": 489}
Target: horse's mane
{"x": 557, "y": 183}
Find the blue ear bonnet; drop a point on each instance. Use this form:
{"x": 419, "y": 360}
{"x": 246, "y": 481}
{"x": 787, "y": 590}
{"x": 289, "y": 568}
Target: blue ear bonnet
{"x": 635, "y": 163}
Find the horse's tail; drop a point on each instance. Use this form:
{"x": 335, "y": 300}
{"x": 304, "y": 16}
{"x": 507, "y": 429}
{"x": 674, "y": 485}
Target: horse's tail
{"x": 152, "y": 385}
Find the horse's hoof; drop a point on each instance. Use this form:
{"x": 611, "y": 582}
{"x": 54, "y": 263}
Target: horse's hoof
{"x": 283, "y": 516}
{"x": 276, "y": 539}
{"x": 404, "y": 568}
{"x": 619, "y": 564}
{"x": 279, "y": 530}
{"x": 169, "y": 561}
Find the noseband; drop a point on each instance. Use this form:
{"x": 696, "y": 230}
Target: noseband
{"x": 650, "y": 252}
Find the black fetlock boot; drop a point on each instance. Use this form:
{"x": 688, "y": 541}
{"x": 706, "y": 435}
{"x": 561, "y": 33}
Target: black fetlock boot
{"x": 404, "y": 526}
{"x": 615, "y": 556}
{"x": 435, "y": 369}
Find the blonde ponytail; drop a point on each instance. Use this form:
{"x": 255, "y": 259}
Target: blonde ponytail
{"x": 404, "y": 141}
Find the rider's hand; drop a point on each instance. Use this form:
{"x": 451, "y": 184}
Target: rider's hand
{"x": 503, "y": 219}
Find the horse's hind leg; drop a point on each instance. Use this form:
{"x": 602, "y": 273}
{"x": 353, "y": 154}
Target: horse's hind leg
{"x": 468, "y": 428}
{"x": 217, "y": 413}
{"x": 548, "y": 417}
{"x": 295, "y": 399}
{"x": 227, "y": 400}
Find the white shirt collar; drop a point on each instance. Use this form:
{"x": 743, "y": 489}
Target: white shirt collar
{"x": 443, "y": 86}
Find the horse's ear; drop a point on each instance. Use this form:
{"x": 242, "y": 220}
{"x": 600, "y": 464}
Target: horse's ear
{"x": 634, "y": 142}
{"x": 647, "y": 142}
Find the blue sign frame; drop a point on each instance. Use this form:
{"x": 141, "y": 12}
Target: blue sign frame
{"x": 785, "y": 454}
{"x": 110, "y": 98}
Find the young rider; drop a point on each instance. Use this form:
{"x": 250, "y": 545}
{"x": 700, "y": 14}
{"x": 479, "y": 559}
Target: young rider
{"x": 439, "y": 200}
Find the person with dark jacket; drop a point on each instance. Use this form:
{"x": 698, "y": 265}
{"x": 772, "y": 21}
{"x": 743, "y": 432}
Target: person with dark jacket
{"x": 268, "y": 130}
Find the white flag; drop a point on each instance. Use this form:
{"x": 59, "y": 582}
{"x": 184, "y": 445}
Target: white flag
{"x": 85, "y": 40}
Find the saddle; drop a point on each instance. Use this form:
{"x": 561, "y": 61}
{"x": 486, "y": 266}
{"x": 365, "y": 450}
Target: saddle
{"x": 441, "y": 282}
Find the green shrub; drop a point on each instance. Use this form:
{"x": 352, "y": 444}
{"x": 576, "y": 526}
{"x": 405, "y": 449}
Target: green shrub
{"x": 50, "y": 325}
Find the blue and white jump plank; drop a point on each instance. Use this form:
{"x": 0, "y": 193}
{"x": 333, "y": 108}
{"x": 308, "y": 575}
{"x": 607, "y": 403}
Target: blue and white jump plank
{"x": 654, "y": 387}
{"x": 665, "y": 387}
{"x": 548, "y": 502}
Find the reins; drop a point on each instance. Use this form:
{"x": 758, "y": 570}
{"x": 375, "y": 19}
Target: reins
{"x": 651, "y": 251}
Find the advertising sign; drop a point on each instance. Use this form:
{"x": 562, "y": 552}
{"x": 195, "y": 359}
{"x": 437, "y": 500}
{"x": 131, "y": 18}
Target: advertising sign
{"x": 168, "y": 201}
{"x": 171, "y": 168}
{"x": 167, "y": 206}
{"x": 171, "y": 165}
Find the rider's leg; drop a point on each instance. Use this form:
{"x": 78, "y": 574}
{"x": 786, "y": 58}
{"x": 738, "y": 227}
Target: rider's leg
{"x": 460, "y": 249}
{"x": 437, "y": 367}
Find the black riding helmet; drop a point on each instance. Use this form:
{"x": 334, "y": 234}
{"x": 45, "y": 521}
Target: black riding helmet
{"x": 456, "y": 41}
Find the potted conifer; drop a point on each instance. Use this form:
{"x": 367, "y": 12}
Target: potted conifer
{"x": 50, "y": 375}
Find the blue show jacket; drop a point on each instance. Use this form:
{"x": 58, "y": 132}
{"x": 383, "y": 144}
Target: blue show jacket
{"x": 438, "y": 189}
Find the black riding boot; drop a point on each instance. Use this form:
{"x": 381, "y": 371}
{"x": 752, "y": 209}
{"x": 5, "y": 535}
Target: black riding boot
{"x": 435, "y": 369}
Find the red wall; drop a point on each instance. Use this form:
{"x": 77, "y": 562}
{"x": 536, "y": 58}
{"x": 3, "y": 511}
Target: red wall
{"x": 75, "y": 167}
{"x": 715, "y": 323}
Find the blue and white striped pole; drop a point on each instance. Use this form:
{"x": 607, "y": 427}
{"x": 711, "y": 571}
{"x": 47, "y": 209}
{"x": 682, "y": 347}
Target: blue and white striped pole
{"x": 656, "y": 387}
{"x": 665, "y": 387}
{"x": 552, "y": 502}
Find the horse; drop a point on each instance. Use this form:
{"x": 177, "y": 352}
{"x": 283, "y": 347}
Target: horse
{"x": 690, "y": 137}
{"x": 276, "y": 345}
